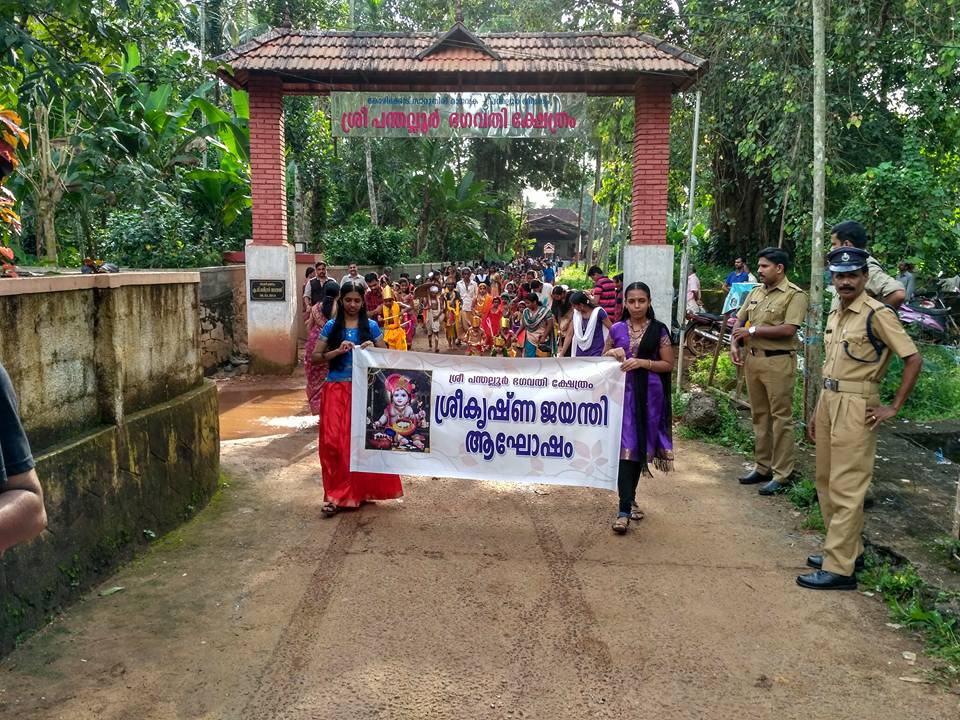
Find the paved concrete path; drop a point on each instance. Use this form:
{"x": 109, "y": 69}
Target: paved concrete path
{"x": 471, "y": 600}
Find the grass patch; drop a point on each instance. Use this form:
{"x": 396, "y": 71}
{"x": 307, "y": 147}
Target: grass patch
{"x": 725, "y": 377}
{"x": 913, "y": 605}
{"x": 803, "y": 495}
{"x": 937, "y": 393}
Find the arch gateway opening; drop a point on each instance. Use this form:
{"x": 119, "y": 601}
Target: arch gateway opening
{"x": 522, "y": 85}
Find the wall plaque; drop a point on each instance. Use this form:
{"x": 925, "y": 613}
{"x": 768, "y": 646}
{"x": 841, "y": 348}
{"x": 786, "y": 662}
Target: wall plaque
{"x": 268, "y": 290}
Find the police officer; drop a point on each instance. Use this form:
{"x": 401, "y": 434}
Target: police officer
{"x": 765, "y": 342}
{"x": 862, "y": 335}
{"x": 881, "y": 286}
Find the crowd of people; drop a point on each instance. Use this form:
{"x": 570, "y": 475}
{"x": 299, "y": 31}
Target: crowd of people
{"x": 496, "y": 309}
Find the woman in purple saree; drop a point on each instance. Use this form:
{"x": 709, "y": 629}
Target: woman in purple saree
{"x": 642, "y": 345}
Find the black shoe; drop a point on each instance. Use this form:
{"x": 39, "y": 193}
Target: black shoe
{"x": 754, "y": 477}
{"x": 824, "y": 580}
{"x": 772, "y": 488}
{"x": 816, "y": 561}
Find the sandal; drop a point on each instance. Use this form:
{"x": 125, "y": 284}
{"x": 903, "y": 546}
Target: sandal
{"x": 620, "y": 525}
{"x": 636, "y": 514}
{"x": 328, "y": 509}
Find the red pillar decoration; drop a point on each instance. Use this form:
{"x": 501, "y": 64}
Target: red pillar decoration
{"x": 651, "y": 161}
{"x": 269, "y": 181}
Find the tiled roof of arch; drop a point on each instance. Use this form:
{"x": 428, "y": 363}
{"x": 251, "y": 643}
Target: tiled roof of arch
{"x": 315, "y": 54}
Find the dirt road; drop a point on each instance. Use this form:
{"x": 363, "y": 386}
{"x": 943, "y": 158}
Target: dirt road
{"x": 470, "y": 600}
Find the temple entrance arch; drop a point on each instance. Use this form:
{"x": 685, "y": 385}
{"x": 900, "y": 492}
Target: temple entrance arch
{"x": 285, "y": 61}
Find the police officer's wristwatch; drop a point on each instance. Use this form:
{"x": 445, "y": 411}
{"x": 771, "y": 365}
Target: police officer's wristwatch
{"x": 752, "y": 330}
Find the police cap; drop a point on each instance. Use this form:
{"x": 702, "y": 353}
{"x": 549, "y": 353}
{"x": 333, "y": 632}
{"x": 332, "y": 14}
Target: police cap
{"x": 847, "y": 259}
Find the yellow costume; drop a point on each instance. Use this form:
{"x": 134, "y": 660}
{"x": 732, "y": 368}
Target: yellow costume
{"x": 393, "y": 333}
{"x": 452, "y": 311}
{"x": 476, "y": 339}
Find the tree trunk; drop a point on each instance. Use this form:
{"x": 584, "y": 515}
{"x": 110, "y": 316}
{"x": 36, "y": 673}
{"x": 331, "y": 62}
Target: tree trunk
{"x": 302, "y": 211}
{"x": 371, "y": 192}
{"x": 593, "y": 208}
{"x": 424, "y": 224}
{"x": 47, "y": 185}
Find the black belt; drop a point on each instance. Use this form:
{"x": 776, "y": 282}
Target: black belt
{"x": 770, "y": 353}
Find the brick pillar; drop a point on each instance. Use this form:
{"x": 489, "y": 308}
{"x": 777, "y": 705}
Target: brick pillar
{"x": 651, "y": 160}
{"x": 647, "y": 257}
{"x": 272, "y": 322}
{"x": 269, "y": 183}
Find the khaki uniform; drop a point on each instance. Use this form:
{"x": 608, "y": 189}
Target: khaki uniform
{"x": 770, "y": 367}
{"x": 879, "y": 284}
{"x": 846, "y": 446}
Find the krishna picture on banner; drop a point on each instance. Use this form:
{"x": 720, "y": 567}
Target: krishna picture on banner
{"x": 398, "y": 410}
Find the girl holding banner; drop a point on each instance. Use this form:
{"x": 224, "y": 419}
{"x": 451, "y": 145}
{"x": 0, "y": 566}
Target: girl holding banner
{"x": 642, "y": 345}
{"x": 350, "y": 327}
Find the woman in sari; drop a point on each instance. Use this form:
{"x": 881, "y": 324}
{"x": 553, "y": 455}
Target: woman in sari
{"x": 641, "y": 344}
{"x": 537, "y": 324}
{"x": 350, "y": 328}
{"x": 323, "y": 300}
{"x": 589, "y": 328}
{"x": 562, "y": 312}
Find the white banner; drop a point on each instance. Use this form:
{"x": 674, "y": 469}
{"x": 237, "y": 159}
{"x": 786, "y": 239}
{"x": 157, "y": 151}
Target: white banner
{"x": 543, "y": 420}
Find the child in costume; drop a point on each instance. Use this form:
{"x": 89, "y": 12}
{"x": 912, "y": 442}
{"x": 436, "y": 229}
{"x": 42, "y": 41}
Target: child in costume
{"x": 433, "y": 318}
{"x": 409, "y": 302}
{"x": 400, "y": 421}
{"x": 393, "y": 333}
{"x": 503, "y": 341}
{"x": 452, "y": 306}
{"x": 476, "y": 340}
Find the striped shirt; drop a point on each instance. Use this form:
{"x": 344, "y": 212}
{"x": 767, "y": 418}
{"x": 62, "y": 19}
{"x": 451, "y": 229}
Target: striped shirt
{"x": 605, "y": 294}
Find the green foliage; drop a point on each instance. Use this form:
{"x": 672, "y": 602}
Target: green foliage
{"x": 575, "y": 277}
{"x": 159, "y": 236}
{"x": 726, "y": 374}
{"x": 910, "y": 211}
{"x": 803, "y": 494}
{"x": 911, "y": 605}
{"x": 936, "y": 395}
{"x": 362, "y": 243}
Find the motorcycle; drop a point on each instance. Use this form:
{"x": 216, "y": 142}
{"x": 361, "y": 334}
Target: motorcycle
{"x": 704, "y": 330}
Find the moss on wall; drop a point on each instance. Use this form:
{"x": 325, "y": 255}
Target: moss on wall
{"x": 106, "y": 493}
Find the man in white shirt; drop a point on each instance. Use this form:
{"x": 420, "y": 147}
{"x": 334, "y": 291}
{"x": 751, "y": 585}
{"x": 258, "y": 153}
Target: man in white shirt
{"x": 467, "y": 288}
{"x": 353, "y": 276}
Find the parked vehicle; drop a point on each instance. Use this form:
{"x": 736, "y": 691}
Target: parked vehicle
{"x": 704, "y": 330}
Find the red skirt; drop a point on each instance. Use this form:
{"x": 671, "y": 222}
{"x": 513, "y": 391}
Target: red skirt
{"x": 341, "y": 486}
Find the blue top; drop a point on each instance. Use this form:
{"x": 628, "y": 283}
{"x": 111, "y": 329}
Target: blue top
{"x": 344, "y": 373}
{"x": 736, "y": 277}
{"x": 549, "y": 274}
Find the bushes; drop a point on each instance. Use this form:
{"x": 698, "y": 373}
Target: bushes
{"x": 158, "y": 236}
{"x": 362, "y": 243}
{"x": 575, "y": 277}
{"x": 937, "y": 393}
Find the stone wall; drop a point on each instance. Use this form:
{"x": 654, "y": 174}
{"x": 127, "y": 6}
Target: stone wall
{"x": 223, "y": 315}
{"x": 123, "y": 427}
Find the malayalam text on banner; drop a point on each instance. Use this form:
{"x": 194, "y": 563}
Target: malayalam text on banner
{"x": 544, "y": 420}
{"x": 463, "y": 114}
